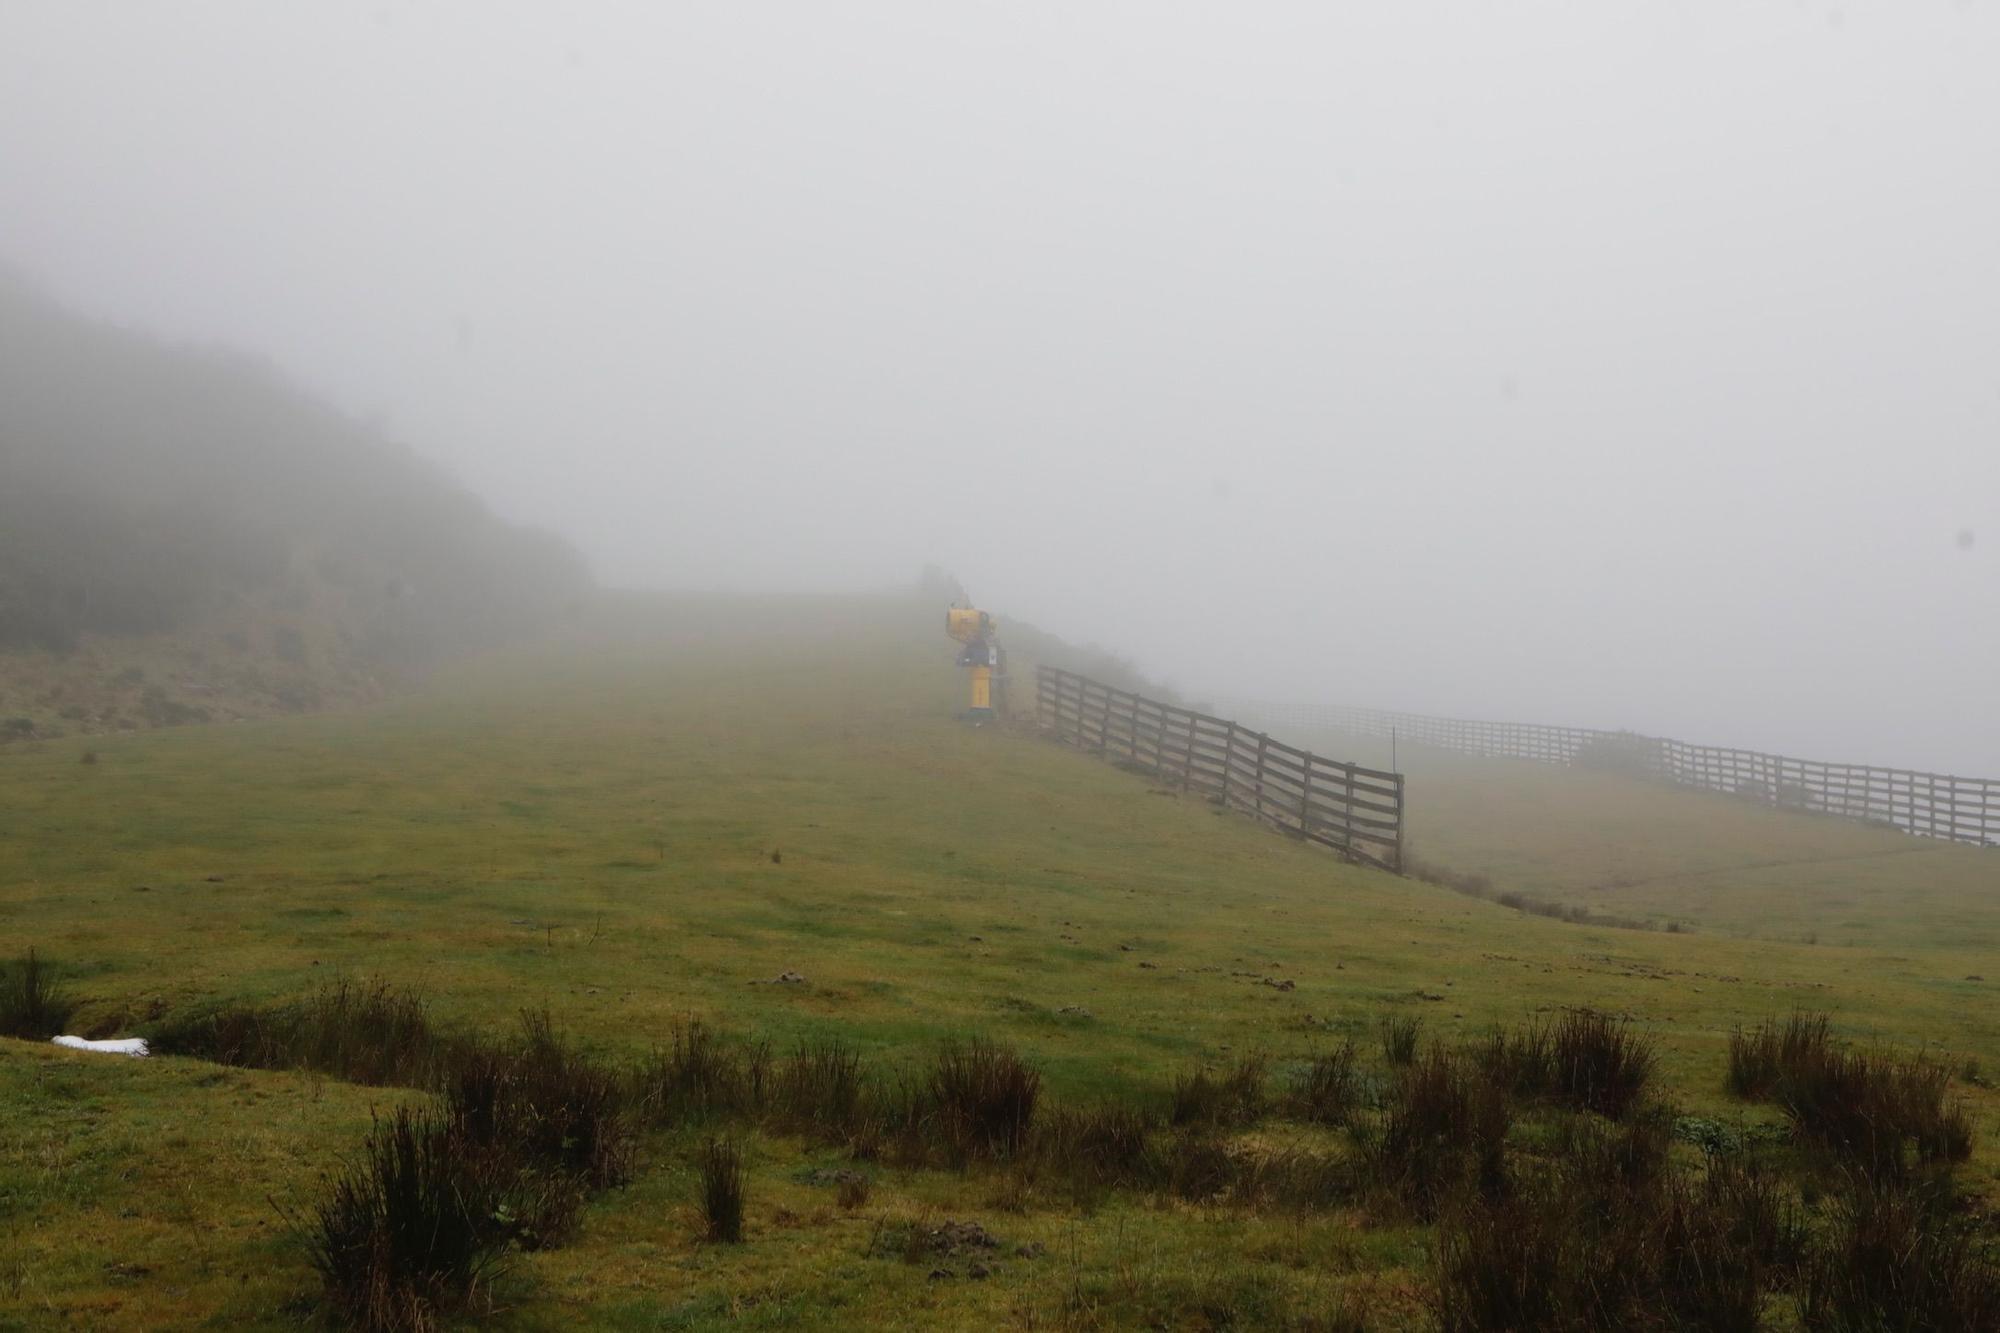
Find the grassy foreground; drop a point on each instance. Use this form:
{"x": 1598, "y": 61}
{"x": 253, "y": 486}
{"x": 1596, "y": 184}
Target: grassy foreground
{"x": 662, "y": 825}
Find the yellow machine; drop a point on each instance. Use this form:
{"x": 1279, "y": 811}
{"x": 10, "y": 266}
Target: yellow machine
{"x": 981, "y": 656}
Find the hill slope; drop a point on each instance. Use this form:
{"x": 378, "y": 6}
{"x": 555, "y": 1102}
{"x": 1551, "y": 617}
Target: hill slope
{"x": 185, "y": 536}
{"x": 1622, "y": 845}
{"x": 659, "y": 827}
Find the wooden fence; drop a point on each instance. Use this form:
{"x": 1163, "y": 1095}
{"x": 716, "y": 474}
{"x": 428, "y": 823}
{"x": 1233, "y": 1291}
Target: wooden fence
{"x": 1930, "y": 805}
{"x": 1356, "y": 811}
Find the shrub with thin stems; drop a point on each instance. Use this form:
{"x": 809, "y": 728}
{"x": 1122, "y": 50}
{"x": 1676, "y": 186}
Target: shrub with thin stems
{"x": 1199, "y": 1167}
{"x": 1399, "y": 1038}
{"x": 719, "y": 1166}
{"x": 378, "y": 1034}
{"x": 1895, "y": 1257}
{"x": 1613, "y": 1236}
{"x": 1876, "y": 1110}
{"x": 1099, "y": 1146}
{"x": 1598, "y": 1064}
{"x": 412, "y": 1230}
{"x": 34, "y": 1001}
{"x": 1759, "y": 1060}
{"x": 1879, "y": 1111}
{"x": 1327, "y": 1089}
{"x": 1521, "y": 1062}
{"x": 818, "y": 1087}
{"x": 700, "y": 1076}
{"x": 1233, "y": 1097}
{"x": 1443, "y": 1129}
{"x": 983, "y": 1097}
{"x": 565, "y": 1111}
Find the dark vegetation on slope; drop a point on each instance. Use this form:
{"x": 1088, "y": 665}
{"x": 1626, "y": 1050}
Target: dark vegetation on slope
{"x": 290, "y": 553}
{"x": 34, "y": 1001}
{"x": 1883, "y": 1113}
{"x": 1475, "y": 885}
{"x": 1563, "y": 1192}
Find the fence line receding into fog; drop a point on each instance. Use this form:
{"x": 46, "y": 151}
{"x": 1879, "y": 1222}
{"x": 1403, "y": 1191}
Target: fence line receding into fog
{"x": 1930, "y": 805}
{"x": 1354, "y": 810}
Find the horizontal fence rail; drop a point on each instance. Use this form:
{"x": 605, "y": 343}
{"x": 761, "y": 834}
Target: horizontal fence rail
{"x": 1356, "y": 811}
{"x": 1930, "y": 805}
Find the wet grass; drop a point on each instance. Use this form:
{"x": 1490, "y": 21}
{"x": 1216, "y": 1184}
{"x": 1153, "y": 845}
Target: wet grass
{"x": 935, "y": 884}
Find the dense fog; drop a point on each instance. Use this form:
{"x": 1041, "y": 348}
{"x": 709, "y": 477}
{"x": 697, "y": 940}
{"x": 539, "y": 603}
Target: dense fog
{"x": 1570, "y": 362}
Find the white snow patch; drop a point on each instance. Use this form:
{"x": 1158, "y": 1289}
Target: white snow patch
{"x": 122, "y": 1046}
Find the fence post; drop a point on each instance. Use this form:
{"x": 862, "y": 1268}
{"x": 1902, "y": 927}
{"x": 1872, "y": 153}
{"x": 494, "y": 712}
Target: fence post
{"x": 1397, "y": 855}
{"x": 1228, "y": 758}
{"x": 1258, "y": 798}
{"x": 1305, "y": 796}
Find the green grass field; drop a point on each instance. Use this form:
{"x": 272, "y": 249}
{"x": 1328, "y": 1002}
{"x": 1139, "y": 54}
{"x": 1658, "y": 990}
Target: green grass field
{"x": 1623, "y": 845}
{"x": 656, "y": 824}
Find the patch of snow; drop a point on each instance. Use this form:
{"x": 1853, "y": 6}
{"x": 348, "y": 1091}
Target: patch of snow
{"x": 122, "y": 1046}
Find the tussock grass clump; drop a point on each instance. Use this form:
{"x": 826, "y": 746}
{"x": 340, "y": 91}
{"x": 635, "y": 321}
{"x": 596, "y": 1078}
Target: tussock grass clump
{"x": 1612, "y": 1237}
{"x": 34, "y": 1002}
{"x": 541, "y": 1105}
{"x": 376, "y": 1034}
{"x": 414, "y": 1229}
{"x": 1613, "y": 1162}
{"x": 818, "y": 1087}
{"x": 1100, "y": 1146}
{"x": 983, "y": 1097}
{"x": 1444, "y": 1129}
{"x": 1199, "y": 1168}
{"x": 699, "y": 1076}
{"x": 1878, "y": 1111}
{"x": 569, "y": 1112}
{"x": 1328, "y": 1088}
{"x": 1399, "y": 1039}
{"x": 852, "y": 1191}
{"x": 1597, "y": 1064}
{"x": 1295, "y": 1178}
{"x": 1520, "y": 1062}
{"x": 1760, "y": 1218}
{"x": 541, "y": 1110}
{"x": 1234, "y": 1097}
{"x": 518, "y": 1136}
{"x": 1894, "y": 1258}
{"x": 719, "y": 1167}
{"x": 1760, "y": 1060}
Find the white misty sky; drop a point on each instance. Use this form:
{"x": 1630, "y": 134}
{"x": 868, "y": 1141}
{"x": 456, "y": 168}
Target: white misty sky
{"x": 1611, "y": 363}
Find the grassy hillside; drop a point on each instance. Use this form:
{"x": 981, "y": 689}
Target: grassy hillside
{"x": 718, "y": 793}
{"x": 1623, "y": 845}
{"x": 185, "y": 536}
